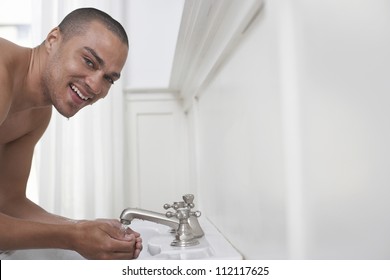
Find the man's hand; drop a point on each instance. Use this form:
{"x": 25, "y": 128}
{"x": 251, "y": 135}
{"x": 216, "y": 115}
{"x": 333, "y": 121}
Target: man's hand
{"x": 105, "y": 239}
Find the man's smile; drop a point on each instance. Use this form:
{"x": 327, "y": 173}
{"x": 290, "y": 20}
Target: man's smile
{"x": 79, "y": 93}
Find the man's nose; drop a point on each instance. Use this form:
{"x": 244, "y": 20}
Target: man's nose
{"x": 94, "y": 83}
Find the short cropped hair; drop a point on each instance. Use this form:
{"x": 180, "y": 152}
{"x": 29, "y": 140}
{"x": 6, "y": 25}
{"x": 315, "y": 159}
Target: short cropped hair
{"x": 75, "y": 23}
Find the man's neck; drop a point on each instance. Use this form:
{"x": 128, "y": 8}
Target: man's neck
{"x": 29, "y": 93}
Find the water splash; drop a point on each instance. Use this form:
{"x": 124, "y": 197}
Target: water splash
{"x": 124, "y": 228}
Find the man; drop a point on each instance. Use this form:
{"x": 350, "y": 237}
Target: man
{"x": 74, "y": 67}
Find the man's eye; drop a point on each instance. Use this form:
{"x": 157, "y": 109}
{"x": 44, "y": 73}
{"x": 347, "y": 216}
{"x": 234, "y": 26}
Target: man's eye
{"x": 111, "y": 81}
{"x": 88, "y": 62}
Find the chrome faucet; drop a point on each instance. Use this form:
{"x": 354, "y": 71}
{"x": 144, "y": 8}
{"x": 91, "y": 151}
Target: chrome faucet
{"x": 130, "y": 214}
{"x": 184, "y": 222}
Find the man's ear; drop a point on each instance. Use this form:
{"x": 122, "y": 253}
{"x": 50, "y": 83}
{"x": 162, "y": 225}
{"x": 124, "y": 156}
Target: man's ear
{"x": 53, "y": 39}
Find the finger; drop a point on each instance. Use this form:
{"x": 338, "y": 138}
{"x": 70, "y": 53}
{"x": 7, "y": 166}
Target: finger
{"x": 138, "y": 243}
{"x": 123, "y": 256}
{"x": 137, "y": 252}
{"x": 112, "y": 222}
{"x": 117, "y": 233}
{"x": 129, "y": 230}
{"x": 130, "y": 237}
{"x": 123, "y": 246}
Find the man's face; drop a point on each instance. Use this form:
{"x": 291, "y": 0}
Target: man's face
{"x": 82, "y": 69}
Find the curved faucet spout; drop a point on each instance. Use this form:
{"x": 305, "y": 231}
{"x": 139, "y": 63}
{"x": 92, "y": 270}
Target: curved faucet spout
{"x": 130, "y": 214}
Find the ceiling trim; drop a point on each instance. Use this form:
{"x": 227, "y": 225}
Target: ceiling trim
{"x": 209, "y": 31}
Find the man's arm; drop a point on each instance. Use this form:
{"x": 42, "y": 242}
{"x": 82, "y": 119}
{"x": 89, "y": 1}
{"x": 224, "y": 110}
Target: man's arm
{"x": 26, "y": 225}
{"x": 100, "y": 239}
{"x": 15, "y": 165}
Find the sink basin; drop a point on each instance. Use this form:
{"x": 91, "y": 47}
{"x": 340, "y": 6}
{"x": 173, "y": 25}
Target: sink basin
{"x": 41, "y": 254}
{"x": 156, "y": 241}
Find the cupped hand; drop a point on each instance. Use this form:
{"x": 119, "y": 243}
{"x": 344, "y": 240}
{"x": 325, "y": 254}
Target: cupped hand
{"x": 106, "y": 239}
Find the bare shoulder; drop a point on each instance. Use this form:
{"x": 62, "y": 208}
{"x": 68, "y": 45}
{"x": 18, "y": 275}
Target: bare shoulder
{"x": 6, "y": 54}
{"x": 5, "y": 44}
{"x": 5, "y": 94}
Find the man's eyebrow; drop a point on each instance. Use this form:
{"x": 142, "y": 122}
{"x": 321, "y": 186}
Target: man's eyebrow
{"x": 101, "y": 61}
{"x": 95, "y": 55}
{"x": 116, "y": 75}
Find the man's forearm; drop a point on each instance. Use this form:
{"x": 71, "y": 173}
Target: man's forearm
{"x": 28, "y": 210}
{"x": 23, "y": 234}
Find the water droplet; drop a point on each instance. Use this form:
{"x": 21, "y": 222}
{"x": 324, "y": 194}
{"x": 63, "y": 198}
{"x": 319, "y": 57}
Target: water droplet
{"x": 124, "y": 228}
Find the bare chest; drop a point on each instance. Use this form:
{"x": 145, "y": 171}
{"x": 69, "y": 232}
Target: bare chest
{"x": 18, "y": 125}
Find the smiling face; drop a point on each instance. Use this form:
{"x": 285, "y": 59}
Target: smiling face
{"x": 81, "y": 69}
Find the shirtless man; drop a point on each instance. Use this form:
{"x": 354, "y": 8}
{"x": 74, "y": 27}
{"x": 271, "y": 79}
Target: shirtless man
{"x": 74, "y": 67}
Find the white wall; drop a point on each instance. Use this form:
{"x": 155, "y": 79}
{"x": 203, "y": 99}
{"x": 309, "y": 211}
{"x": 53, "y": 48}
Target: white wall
{"x": 287, "y": 140}
{"x": 344, "y": 88}
{"x": 157, "y": 151}
{"x": 241, "y": 172}
{"x": 293, "y": 134}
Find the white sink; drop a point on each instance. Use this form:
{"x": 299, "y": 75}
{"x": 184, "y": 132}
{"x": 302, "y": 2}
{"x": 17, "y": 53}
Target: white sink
{"x": 156, "y": 241}
{"x": 41, "y": 254}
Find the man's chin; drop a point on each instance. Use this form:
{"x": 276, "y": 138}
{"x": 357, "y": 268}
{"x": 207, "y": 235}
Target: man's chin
{"x": 67, "y": 114}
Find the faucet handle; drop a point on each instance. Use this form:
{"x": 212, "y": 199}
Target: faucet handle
{"x": 170, "y": 214}
{"x": 183, "y": 214}
{"x": 167, "y": 206}
{"x": 189, "y": 200}
{"x": 175, "y": 205}
{"x": 195, "y": 214}
{"x": 187, "y": 203}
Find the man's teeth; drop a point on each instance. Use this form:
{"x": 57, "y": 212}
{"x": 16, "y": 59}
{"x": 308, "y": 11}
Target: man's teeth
{"x": 76, "y": 90}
